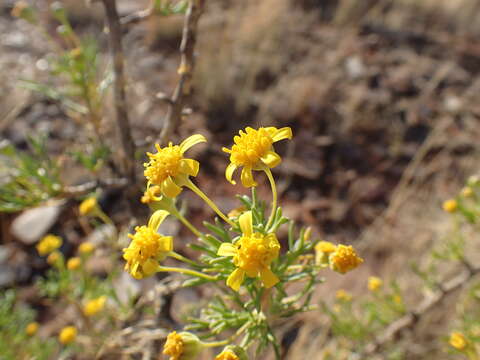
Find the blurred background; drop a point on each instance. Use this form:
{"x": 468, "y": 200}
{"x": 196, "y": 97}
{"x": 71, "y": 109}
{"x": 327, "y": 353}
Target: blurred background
{"x": 382, "y": 97}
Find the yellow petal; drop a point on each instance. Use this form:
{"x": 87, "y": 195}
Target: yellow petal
{"x": 190, "y": 141}
{"x": 227, "y": 249}
{"x": 229, "y": 173}
{"x": 235, "y": 279}
{"x": 246, "y": 223}
{"x": 169, "y": 188}
{"x": 268, "y": 278}
{"x": 247, "y": 177}
{"x": 189, "y": 167}
{"x": 283, "y": 133}
{"x": 157, "y": 218}
{"x": 149, "y": 267}
{"x": 252, "y": 273}
{"x": 165, "y": 244}
{"x": 271, "y": 159}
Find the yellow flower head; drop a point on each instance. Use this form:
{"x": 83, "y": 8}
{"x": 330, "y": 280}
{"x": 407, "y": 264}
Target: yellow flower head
{"x": 67, "y": 335}
{"x": 253, "y": 149}
{"x": 252, "y": 254}
{"x": 342, "y": 295}
{"x": 322, "y": 252}
{"x": 147, "y": 247}
{"x": 31, "y": 328}
{"x": 450, "y": 205}
{"x": 182, "y": 346}
{"x": 151, "y": 194}
{"x": 53, "y": 258}
{"x": 73, "y": 263}
{"x": 88, "y": 205}
{"x": 169, "y": 169}
{"x": 94, "y": 306}
{"x": 458, "y": 340}
{"x": 49, "y": 244}
{"x": 344, "y": 259}
{"x": 374, "y": 283}
{"x": 86, "y": 248}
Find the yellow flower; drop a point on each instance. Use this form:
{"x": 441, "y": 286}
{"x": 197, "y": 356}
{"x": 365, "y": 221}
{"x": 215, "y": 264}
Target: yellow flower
{"x": 374, "y": 283}
{"x": 344, "y": 259}
{"x": 94, "y": 306}
{"x": 151, "y": 194}
{"x": 49, "y": 244}
{"x": 252, "y": 254}
{"x": 458, "y": 340}
{"x": 73, "y": 263}
{"x": 232, "y": 352}
{"x": 147, "y": 247}
{"x": 253, "y": 149}
{"x": 322, "y": 252}
{"x": 237, "y": 212}
{"x": 53, "y": 258}
{"x": 88, "y": 206}
{"x": 450, "y": 205}
{"x": 397, "y": 299}
{"x": 467, "y": 191}
{"x": 31, "y": 328}
{"x": 67, "y": 335}
{"x": 182, "y": 346}
{"x": 86, "y": 248}
{"x": 342, "y": 295}
{"x": 169, "y": 169}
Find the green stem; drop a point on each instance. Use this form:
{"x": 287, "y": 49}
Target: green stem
{"x": 209, "y": 202}
{"x": 217, "y": 343}
{"x": 187, "y": 223}
{"x": 186, "y": 272}
{"x": 102, "y": 216}
{"x": 268, "y": 172}
{"x": 183, "y": 258}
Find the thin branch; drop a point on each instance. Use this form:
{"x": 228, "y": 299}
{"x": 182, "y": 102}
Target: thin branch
{"x": 116, "y": 52}
{"x": 410, "y": 319}
{"x": 138, "y": 16}
{"x": 185, "y": 70}
{"x": 85, "y": 188}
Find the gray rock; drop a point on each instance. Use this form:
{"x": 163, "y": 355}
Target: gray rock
{"x": 32, "y": 224}
{"x": 102, "y": 234}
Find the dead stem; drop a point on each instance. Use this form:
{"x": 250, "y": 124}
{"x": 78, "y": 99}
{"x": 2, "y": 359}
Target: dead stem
{"x": 116, "y": 52}
{"x": 185, "y": 70}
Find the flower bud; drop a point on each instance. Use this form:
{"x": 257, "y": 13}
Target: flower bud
{"x": 232, "y": 352}
{"x": 182, "y": 346}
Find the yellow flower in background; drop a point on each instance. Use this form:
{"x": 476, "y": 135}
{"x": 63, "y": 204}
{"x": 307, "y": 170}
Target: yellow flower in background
{"x": 374, "y": 283}
{"x": 88, "y": 206}
{"x": 458, "y": 340}
{"x": 169, "y": 169}
{"x": 53, "y": 258}
{"x": 94, "y": 306}
{"x": 234, "y": 213}
{"x": 342, "y": 295}
{"x": 86, "y": 248}
{"x": 67, "y": 335}
{"x": 232, "y": 352}
{"x": 227, "y": 355}
{"x": 182, "y": 346}
{"x": 467, "y": 191}
{"x": 147, "y": 247}
{"x": 49, "y": 244}
{"x": 344, "y": 259}
{"x": 252, "y": 254}
{"x": 322, "y": 252}
{"x": 73, "y": 263}
{"x": 31, "y": 328}
{"x": 151, "y": 194}
{"x": 253, "y": 150}
{"x": 450, "y": 205}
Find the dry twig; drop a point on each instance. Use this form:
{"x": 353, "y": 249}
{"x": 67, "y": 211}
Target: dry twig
{"x": 410, "y": 319}
{"x": 182, "y": 90}
{"x": 115, "y": 34}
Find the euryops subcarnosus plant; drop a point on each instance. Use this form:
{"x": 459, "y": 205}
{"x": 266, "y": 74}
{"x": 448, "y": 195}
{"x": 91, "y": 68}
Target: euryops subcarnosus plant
{"x": 240, "y": 255}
